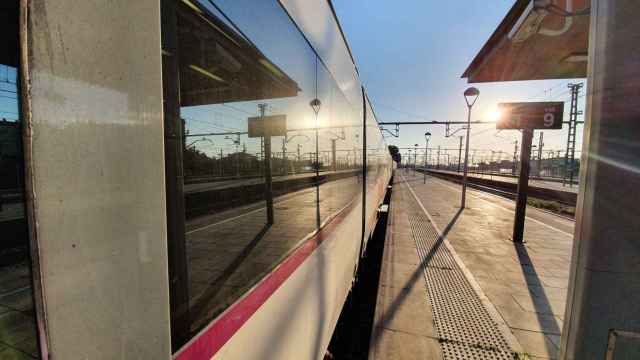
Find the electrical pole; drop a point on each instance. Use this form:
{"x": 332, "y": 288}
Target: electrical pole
{"x": 569, "y": 156}
{"x": 334, "y": 165}
{"x": 491, "y": 162}
{"x": 426, "y": 150}
{"x": 438, "y": 159}
{"x": 260, "y": 170}
{"x": 237, "y": 155}
{"x": 415, "y": 157}
{"x": 460, "y": 153}
{"x": 284, "y": 155}
{"x": 298, "y": 164}
{"x": 473, "y": 156}
{"x": 540, "y": 145}
{"x": 515, "y": 159}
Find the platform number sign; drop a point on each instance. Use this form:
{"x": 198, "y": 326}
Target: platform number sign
{"x": 274, "y": 125}
{"x": 530, "y": 115}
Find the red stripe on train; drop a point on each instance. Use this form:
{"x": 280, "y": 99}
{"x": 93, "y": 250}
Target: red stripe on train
{"x": 217, "y": 333}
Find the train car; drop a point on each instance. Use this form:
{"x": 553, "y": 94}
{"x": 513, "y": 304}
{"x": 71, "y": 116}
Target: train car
{"x": 181, "y": 179}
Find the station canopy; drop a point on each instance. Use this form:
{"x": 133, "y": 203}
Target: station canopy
{"x": 9, "y": 33}
{"x": 219, "y": 65}
{"x": 537, "y": 40}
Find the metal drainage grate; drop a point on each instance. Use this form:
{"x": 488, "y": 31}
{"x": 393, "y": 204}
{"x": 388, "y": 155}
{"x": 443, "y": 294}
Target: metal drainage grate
{"x": 465, "y": 328}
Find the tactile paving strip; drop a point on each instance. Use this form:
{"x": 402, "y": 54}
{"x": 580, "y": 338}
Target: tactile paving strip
{"x": 464, "y": 326}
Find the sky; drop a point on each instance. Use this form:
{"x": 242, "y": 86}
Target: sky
{"x": 8, "y": 97}
{"x": 410, "y": 55}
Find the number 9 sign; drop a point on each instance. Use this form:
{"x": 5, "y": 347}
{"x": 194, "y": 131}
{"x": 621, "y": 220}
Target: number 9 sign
{"x": 531, "y": 115}
{"x": 549, "y": 119}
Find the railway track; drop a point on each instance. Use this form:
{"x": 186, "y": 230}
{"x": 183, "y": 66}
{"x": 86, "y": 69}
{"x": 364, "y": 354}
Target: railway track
{"x": 508, "y": 189}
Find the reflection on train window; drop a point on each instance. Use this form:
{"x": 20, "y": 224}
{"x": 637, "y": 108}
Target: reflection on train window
{"x": 376, "y": 165}
{"x": 257, "y": 139}
{"x": 339, "y": 144}
{"x": 18, "y": 338}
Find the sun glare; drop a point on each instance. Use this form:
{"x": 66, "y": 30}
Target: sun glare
{"x": 493, "y": 115}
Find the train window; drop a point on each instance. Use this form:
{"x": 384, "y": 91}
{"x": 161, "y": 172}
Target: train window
{"x": 339, "y": 143}
{"x": 18, "y": 337}
{"x": 376, "y": 155}
{"x": 227, "y": 228}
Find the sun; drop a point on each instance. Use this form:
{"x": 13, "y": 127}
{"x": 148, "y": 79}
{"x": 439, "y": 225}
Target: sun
{"x": 493, "y": 115}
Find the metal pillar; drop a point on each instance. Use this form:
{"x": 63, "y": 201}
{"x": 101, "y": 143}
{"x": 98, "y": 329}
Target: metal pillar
{"x": 569, "y": 156}
{"x": 602, "y": 317}
{"x": 523, "y": 185}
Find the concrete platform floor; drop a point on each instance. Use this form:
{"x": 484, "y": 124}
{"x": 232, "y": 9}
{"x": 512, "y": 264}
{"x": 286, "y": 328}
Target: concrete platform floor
{"x": 526, "y": 284}
{"x": 17, "y": 322}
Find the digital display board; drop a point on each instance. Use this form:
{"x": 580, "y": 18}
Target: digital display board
{"x": 530, "y": 115}
{"x": 274, "y": 125}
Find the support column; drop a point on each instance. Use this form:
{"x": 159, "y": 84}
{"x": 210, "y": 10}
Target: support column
{"x": 523, "y": 186}
{"x": 604, "y": 286}
{"x": 174, "y": 178}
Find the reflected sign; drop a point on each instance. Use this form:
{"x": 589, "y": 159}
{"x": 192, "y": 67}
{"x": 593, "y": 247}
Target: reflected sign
{"x": 531, "y": 115}
{"x": 274, "y": 125}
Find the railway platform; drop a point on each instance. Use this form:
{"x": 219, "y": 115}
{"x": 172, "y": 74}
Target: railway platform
{"x": 454, "y": 286}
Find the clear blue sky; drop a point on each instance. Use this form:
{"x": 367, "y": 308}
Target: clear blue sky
{"x": 410, "y": 56}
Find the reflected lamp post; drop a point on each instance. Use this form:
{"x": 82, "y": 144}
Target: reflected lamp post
{"x": 470, "y": 97}
{"x": 315, "y": 105}
{"x": 427, "y": 135}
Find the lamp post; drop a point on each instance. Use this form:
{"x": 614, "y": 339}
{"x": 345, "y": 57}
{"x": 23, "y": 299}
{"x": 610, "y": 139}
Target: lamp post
{"x": 427, "y": 135}
{"x": 315, "y": 105}
{"x": 470, "y": 97}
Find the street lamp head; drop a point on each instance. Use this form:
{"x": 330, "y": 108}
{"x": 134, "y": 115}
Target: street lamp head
{"x": 471, "y": 95}
{"x": 315, "y": 105}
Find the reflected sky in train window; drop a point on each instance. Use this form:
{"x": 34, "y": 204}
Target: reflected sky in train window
{"x": 339, "y": 141}
{"x": 224, "y": 80}
{"x": 377, "y": 163}
{"x": 18, "y": 336}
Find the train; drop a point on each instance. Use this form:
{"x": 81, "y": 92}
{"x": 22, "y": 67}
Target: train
{"x": 181, "y": 179}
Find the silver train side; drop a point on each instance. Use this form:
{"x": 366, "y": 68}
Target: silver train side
{"x": 149, "y": 233}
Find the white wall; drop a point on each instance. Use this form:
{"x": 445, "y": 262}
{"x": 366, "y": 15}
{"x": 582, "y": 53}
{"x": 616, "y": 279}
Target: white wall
{"x": 96, "y": 112}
